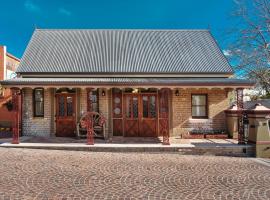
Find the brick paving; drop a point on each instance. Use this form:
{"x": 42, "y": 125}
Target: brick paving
{"x": 47, "y": 174}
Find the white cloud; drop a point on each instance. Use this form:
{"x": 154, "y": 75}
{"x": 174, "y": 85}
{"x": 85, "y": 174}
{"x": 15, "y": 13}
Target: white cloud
{"x": 227, "y": 52}
{"x": 236, "y": 1}
{"x": 64, "y": 11}
{"x": 30, "y": 6}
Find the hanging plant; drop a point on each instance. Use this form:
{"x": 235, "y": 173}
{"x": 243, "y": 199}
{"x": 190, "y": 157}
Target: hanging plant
{"x": 9, "y": 105}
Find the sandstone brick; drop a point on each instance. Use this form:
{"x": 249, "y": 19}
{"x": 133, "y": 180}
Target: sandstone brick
{"x": 36, "y": 126}
{"x": 182, "y": 121}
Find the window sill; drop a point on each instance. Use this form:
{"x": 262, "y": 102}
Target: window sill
{"x": 38, "y": 117}
{"x": 199, "y": 119}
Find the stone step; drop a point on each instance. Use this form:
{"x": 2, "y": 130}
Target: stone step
{"x": 231, "y": 150}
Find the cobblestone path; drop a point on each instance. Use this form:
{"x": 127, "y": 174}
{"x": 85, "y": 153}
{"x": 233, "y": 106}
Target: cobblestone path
{"x": 48, "y": 174}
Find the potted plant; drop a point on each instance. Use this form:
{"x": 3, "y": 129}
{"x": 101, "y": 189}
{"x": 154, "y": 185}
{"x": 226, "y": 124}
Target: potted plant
{"x": 195, "y": 134}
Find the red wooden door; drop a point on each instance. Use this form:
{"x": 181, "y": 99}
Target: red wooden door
{"x": 131, "y": 115}
{"x": 148, "y": 118}
{"x": 140, "y": 115}
{"x": 65, "y": 115}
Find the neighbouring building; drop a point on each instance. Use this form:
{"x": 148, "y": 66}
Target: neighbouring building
{"x": 8, "y": 66}
{"x": 145, "y": 82}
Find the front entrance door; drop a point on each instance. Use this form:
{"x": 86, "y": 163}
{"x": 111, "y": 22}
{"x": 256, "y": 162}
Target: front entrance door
{"x": 65, "y": 115}
{"x": 148, "y": 122}
{"x": 140, "y": 115}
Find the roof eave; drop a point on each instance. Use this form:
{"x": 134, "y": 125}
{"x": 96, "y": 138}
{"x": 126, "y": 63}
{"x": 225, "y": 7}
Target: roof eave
{"x": 9, "y": 84}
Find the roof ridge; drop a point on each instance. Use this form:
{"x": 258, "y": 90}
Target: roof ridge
{"x": 83, "y": 29}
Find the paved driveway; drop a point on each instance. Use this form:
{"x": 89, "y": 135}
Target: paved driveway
{"x": 44, "y": 174}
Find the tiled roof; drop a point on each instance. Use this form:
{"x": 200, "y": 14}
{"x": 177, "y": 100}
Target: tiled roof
{"x": 123, "y": 51}
{"x": 130, "y": 81}
{"x": 251, "y": 104}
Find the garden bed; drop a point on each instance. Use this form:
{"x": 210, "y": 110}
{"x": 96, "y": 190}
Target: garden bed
{"x": 206, "y": 134}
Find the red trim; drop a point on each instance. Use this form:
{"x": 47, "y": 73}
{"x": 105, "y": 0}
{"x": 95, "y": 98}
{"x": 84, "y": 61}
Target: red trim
{"x": 21, "y": 113}
{"x": 16, "y": 115}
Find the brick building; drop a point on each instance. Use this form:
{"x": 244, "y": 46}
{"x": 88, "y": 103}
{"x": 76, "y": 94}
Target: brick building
{"x": 144, "y": 82}
{"x": 8, "y": 66}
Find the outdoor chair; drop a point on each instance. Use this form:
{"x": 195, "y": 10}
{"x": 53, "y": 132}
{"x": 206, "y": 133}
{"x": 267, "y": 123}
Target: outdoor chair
{"x": 98, "y": 126}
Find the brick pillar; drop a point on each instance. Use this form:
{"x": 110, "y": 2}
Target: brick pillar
{"x": 104, "y": 97}
{"x": 83, "y": 101}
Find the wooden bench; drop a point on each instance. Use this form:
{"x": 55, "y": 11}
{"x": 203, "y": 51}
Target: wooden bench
{"x": 99, "y": 127}
{"x": 5, "y": 125}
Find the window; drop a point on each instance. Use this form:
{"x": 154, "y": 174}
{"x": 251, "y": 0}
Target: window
{"x": 38, "y": 103}
{"x": 149, "y": 106}
{"x": 117, "y": 103}
{"x": 92, "y": 101}
{"x": 199, "y": 106}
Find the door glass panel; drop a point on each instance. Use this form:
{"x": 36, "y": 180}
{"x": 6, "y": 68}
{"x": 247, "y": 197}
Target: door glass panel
{"x": 135, "y": 107}
{"x": 117, "y": 100}
{"x": 117, "y": 111}
{"x": 128, "y": 107}
{"x": 61, "y": 106}
{"x": 69, "y": 106}
{"x": 145, "y": 106}
{"x": 152, "y": 107}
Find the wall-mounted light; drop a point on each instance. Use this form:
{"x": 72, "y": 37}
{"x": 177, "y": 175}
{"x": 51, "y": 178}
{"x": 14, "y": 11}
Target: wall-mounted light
{"x": 135, "y": 90}
{"x": 103, "y": 93}
{"x": 177, "y": 93}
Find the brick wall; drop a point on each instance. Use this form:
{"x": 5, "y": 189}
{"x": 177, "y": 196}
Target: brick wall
{"x": 36, "y": 126}
{"x": 104, "y": 109}
{"x": 83, "y": 102}
{"x": 182, "y": 121}
{"x": 5, "y": 94}
{"x": 11, "y": 63}
{"x": 2, "y": 56}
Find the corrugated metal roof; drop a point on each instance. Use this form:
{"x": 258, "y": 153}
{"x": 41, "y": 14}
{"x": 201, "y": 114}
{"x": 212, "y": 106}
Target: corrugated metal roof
{"x": 123, "y": 51}
{"x": 130, "y": 81}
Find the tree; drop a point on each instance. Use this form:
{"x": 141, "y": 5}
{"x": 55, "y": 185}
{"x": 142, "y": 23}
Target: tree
{"x": 250, "y": 43}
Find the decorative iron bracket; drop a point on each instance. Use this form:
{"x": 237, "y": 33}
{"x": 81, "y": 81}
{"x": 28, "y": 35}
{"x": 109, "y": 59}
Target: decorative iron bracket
{"x": 240, "y": 107}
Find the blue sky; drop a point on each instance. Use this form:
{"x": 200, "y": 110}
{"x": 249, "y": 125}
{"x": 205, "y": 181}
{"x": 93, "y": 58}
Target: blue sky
{"x": 20, "y": 17}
